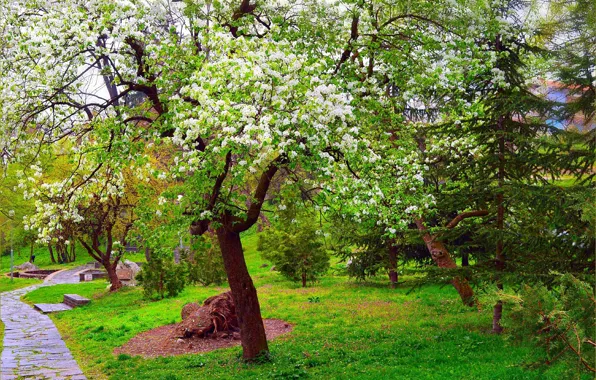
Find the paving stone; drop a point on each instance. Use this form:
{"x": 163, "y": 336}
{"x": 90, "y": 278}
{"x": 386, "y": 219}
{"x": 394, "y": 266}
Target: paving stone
{"x": 52, "y": 307}
{"x": 33, "y": 347}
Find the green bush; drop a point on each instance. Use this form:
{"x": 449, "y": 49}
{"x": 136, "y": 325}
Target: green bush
{"x": 559, "y": 320}
{"x": 205, "y": 264}
{"x": 161, "y": 277}
{"x": 295, "y": 248}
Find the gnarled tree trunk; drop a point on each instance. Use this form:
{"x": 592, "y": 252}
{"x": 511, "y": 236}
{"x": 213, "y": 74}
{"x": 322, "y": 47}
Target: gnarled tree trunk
{"x": 443, "y": 259}
{"x": 252, "y": 331}
{"x": 112, "y": 276}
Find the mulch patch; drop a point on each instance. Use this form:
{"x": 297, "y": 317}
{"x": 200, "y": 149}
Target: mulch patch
{"x": 162, "y": 341}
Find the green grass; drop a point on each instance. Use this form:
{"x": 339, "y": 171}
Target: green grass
{"x": 355, "y": 331}
{"x": 7, "y": 285}
{"x": 54, "y": 294}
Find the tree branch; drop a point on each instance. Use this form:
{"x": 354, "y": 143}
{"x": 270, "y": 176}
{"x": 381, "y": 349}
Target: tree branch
{"x": 464, "y": 215}
{"x": 260, "y": 193}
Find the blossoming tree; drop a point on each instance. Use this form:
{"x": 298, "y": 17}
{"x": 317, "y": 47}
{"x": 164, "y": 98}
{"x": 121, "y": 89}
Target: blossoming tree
{"x": 220, "y": 81}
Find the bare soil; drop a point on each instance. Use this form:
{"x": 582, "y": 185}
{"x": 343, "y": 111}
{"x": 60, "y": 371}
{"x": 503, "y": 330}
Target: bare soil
{"x": 163, "y": 341}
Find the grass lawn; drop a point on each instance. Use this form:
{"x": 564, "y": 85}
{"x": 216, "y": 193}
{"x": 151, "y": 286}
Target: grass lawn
{"x": 352, "y": 330}
{"x": 16, "y": 283}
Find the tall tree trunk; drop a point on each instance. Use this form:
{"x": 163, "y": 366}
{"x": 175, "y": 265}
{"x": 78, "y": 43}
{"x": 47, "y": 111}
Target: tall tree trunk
{"x": 252, "y": 331}
{"x": 499, "y": 258}
{"x": 147, "y": 254}
{"x": 52, "y": 259}
{"x": 443, "y": 259}
{"x": 112, "y": 276}
{"x": 304, "y": 278}
{"x": 393, "y": 265}
{"x": 73, "y": 252}
{"x": 31, "y": 251}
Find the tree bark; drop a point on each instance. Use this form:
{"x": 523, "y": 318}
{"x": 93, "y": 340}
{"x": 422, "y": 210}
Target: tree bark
{"x": 73, "y": 252}
{"x": 252, "y": 331}
{"x": 393, "y": 265}
{"x": 147, "y": 254}
{"x": 443, "y": 259}
{"x": 51, "y": 253}
{"x": 112, "y": 276}
{"x": 499, "y": 258}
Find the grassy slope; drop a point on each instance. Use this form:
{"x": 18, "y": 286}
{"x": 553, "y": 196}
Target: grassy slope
{"x": 364, "y": 331}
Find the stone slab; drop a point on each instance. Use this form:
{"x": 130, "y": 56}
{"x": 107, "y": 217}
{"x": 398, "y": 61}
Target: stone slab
{"x": 52, "y": 307}
{"x": 76, "y": 298}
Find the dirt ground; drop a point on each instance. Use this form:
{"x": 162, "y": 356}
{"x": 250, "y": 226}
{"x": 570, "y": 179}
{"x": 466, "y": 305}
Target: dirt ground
{"x": 162, "y": 341}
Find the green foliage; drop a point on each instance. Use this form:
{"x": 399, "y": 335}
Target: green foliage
{"x": 162, "y": 277}
{"x": 366, "y": 248}
{"x": 205, "y": 263}
{"x": 295, "y": 247}
{"x": 560, "y": 321}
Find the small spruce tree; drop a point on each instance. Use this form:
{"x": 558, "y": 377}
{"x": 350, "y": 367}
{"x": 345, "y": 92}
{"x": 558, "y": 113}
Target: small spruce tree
{"x": 295, "y": 246}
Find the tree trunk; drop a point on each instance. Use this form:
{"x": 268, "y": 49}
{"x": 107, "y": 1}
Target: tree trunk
{"x": 73, "y": 252}
{"x": 497, "y": 314}
{"x": 465, "y": 259}
{"x": 113, "y": 277}
{"x": 393, "y": 265}
{"x": 499, "y": 265}
{"x": 147, "y": 254}
{"x": 252, "y": 331}
{"x": 304, "y": 279}
{"x": 443, "y": 259}
{"x": 31, "y": 251}
{"x": 499, "y": 258}
{"x": 51, "y": 253}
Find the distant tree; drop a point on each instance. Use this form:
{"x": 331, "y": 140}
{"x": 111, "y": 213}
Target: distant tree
{"x": 205, "y": 264}
{"x": 295, "y": 246}
{"x": 161, "y": 277}
{"x": 99, "y": 214}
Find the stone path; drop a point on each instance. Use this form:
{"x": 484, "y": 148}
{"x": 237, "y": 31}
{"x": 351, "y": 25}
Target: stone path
{"x": 33, "y": 347}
